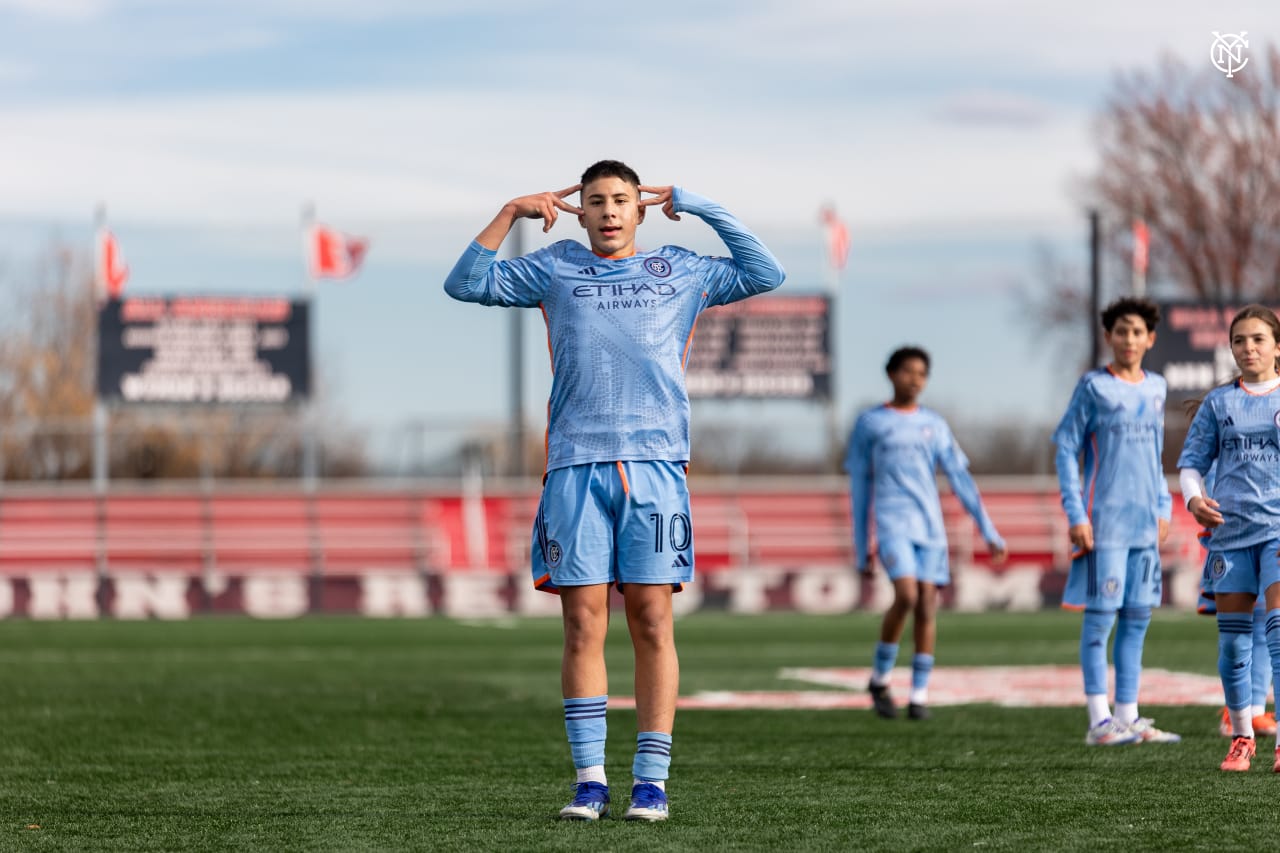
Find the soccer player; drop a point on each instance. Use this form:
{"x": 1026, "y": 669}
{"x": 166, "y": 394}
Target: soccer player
{"x": 1118, "y": 517}
{"x": 1264, "y": 722}
{"x": 1238, "y": 425}
{"x": 615, "y": 504}
{"x": 894, "y": 453}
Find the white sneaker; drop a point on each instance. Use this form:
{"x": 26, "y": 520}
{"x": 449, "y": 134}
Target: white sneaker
{"x": 1147, "y": 732}
{"x": 1110, "y": 733}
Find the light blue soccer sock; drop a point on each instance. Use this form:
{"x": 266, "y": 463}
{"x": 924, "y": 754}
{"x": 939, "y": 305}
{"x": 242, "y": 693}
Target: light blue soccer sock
{"x": 1260, "y": 668}
{"x": 585, "y": 724}
{"x": 1131, "y": 633}
{"x": 653, "y": 758}
{"x": 1235, "y": 653}
{"x": 1093, "y": 652}
{"x": 921, "y": 669}
{"x": 882, "y": 664}
{"x": 1272, "y": 627}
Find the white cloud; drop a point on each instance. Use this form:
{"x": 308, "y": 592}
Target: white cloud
{"x": 70, "y": 10}
{"x": 386, "y": 156}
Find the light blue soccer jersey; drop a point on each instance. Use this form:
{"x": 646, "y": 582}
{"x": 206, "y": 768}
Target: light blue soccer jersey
{"x": 1240, "y": 430}
{"x": 620, "y": 331}
{"x": 892, "y": 460}
{"x": 1119, "y": 427}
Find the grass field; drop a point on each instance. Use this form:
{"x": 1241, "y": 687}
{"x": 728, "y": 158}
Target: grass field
{"x": 345, "y": 734}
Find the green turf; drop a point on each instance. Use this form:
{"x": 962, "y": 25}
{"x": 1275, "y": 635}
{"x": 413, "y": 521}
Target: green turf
{"x": 346, "y": 734}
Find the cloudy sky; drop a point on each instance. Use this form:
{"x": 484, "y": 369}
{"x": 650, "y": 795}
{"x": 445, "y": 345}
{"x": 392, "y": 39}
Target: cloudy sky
{"x": 952, "y": 138}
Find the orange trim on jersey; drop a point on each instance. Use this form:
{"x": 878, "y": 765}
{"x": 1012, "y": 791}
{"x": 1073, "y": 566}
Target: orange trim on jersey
{"x": 551, "y": 356}
{"x": 688, "y": 342}
{"x": 688, "y": 347}
{"x": 541, "y": 584}
{"x": 1240, "y": 385}
{"x": 1129, "y": 381}
{"x": 622, "y": 472}
{"x": 630, "y": 254}
{"x": 1093, "y": 484}
{"x": 1074, "y": 608}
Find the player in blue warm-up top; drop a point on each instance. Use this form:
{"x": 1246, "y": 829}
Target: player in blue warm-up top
{"x": 893, "y": 457}
{"x": 615, "y": 505}
{"x": 1238, "y": 426}
{"x": 1118, "y": 515}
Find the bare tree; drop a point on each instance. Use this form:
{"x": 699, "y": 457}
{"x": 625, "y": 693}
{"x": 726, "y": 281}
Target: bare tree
{"x": 46, "y": 371}
{"x": 1196, "y": 155}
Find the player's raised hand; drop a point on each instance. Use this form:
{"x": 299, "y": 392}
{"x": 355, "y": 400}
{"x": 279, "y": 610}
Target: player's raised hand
{"x": 546, "y": 206}
{"x": 662, "y": 196}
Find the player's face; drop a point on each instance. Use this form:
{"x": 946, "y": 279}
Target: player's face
{"x": 1130, "y": 340}
{"x": 909, "y": 381}
{"x": 1253, "y": 346}
{"x": 611, "y": 212}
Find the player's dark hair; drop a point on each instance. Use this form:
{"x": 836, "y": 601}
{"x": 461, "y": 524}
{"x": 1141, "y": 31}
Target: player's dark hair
{"x": 902, "y": 354}
{"x": 1144, "y": 308}
{"x": 610, "y": 169}
{"x": 1248, "y": 312}
{"x": 1256, "y": 312}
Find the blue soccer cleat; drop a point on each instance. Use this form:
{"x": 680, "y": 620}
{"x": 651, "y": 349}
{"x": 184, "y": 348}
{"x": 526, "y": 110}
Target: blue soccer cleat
{"x": 590, "y": 802}
{"x": 648, "y": 802}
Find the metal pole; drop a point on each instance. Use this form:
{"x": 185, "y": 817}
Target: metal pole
{"x": 517, "y": 367}
{"x": 100, "y": 466}
{"x": 1095, "y": 287}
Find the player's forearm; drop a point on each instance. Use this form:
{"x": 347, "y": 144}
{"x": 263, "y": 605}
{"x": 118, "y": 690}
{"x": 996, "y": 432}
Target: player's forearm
{"x": 466, "y": 280}
{"x": 1068, "y": 466}
{"x": 759, "y": 267}
{"x": 496, "y": 231}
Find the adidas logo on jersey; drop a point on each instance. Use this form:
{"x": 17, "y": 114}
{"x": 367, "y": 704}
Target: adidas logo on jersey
{"x": 588, "y": 271}
{"x": 1230, "y": 421}
{"x": 681, "y": 562}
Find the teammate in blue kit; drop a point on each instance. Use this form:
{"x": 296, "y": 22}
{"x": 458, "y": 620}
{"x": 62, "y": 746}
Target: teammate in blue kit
{"x": 894, "y": 453}
{"x": 1264, "y": 722}
{"x": 615, "y": 505}
{"x": 1238, "y": 426}
{"x": 1119, "y": 515}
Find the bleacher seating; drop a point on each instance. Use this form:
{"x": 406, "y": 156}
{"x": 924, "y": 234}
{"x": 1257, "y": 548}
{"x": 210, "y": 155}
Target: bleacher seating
{"x": 54, "y": 532}
{"x": 350, "y": 531}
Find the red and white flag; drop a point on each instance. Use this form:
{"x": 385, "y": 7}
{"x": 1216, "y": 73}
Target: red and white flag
{"x": 110, "y": 272}
{"x": 1141, "y": 245}
{"x": 332, "y": 254}
{"x": 837, "y": 239}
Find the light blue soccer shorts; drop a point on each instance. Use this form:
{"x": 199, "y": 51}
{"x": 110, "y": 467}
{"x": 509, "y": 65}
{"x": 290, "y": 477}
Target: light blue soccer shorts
{"x": 1250, "y": 569}
{"x": 613, "y": 522}
{"x": 903, "y": 558}
{"x": 1111, "y": 578}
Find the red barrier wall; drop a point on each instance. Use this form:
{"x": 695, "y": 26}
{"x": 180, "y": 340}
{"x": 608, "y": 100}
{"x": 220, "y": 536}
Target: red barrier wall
{"x": 283, "y": 552}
